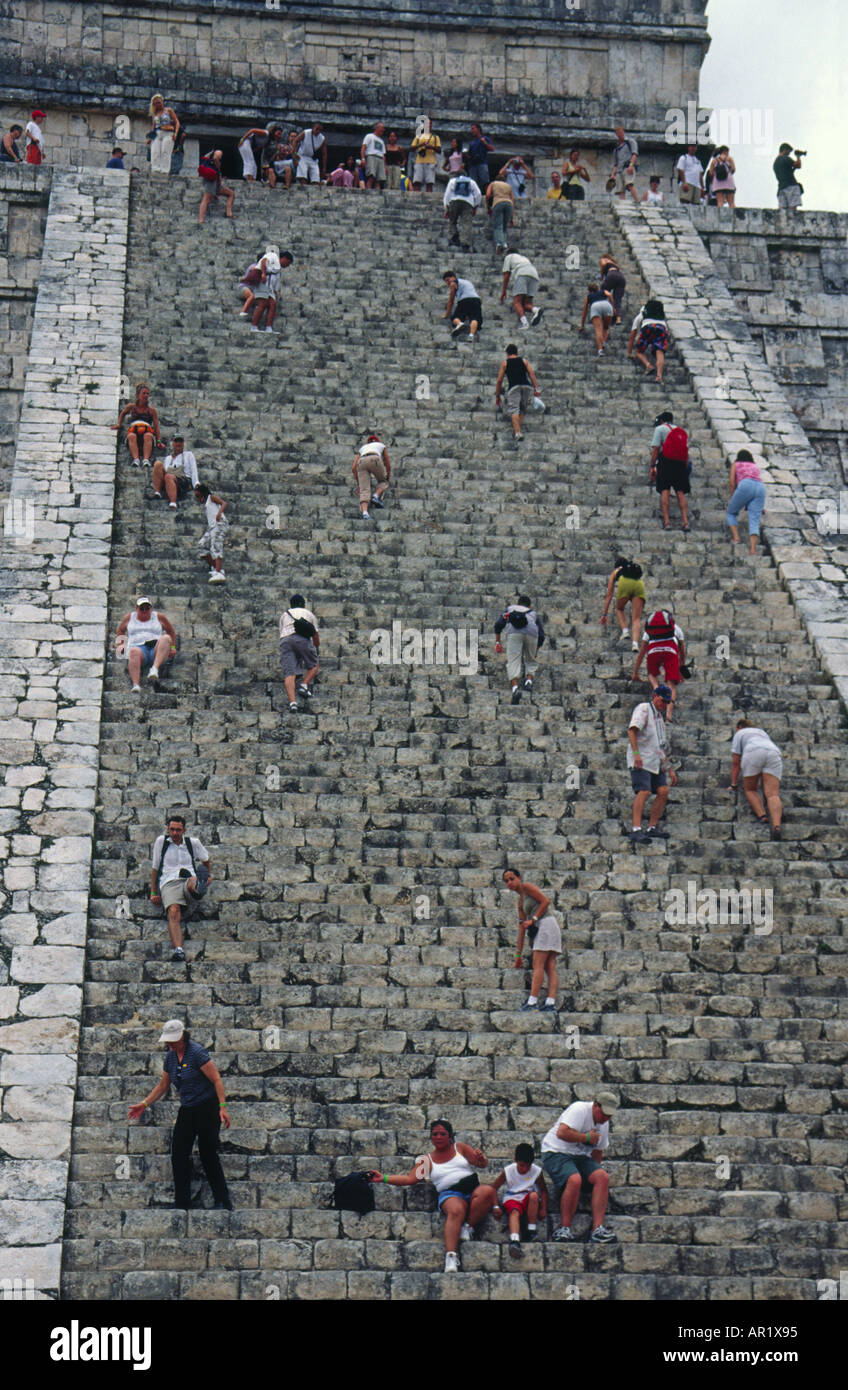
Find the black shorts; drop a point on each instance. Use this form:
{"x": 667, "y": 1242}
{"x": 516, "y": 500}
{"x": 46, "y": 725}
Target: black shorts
{"x": 672, "y": 475}
{"x": 574, "y": 193}
{"x": 469, "y": 310}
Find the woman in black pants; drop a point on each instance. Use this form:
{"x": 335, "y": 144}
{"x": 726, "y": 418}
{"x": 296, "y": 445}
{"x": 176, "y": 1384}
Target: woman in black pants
{"x": 201, "y": 1113}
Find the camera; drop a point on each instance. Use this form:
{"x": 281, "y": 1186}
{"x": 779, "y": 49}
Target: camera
{"x": 800, "y": 154}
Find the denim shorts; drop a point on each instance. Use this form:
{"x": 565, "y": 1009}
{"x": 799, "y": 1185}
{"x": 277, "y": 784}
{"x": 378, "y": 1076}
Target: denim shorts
{"x": 642, "y": 780}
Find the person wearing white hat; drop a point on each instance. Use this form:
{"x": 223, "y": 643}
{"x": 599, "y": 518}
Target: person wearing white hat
{"x": 149, "y": 640}
{"x": 572, "y": 1151}
{"x": 266, "y": 290}
{"x": 203, "y": 1109}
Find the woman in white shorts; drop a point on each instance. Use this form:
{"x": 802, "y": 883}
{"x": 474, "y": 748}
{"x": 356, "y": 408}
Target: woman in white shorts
{"x": 759, "y": 761}
{"x": 536, "y": 921}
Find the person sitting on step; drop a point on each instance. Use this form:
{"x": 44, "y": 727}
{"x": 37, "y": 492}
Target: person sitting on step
{"x": 143, "y": 428}
{"x": 524, "y": 636}
{"x": 177, "y": 472}
{"x": 179, "y": 876}
{"x": 572, "y": 1153}
{"x": 540, "y": 926}
{"x": 299, "y": 642}
{"x": 148, "y": 639}
{"x": 463, "y": 1200}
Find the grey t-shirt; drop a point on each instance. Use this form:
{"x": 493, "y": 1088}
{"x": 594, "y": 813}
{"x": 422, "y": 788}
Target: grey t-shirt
{"x": 625, "y": 152}
{"x": 747, "y": 740}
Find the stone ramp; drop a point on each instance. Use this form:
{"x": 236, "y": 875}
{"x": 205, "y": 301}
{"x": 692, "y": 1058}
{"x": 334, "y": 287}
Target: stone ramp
{"x": 352, "y": 973}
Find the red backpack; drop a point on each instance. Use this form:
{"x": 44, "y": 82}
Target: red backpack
{"x": 660, "y": 624}
{"x": 675, "y": 446}
{"x": 207, "y": 170}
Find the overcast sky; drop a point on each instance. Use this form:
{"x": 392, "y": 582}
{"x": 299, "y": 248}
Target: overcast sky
{"x": 784, "y": 62}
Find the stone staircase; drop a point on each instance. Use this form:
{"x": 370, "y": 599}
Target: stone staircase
{"x": 352, "y": 973}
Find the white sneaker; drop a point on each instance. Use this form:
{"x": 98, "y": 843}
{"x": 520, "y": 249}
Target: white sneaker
{"x": 523, "y": 321}
{"x": 451, "y": 1262}
{"x": 270, "y": 330}
{"x": 153, "y": 674}
{"x": 217, "y": 577}
{"x": 173, "y": 504}
{"x": 466, "y": 1233}
{"x": 136, "y": 690}
{"x": 253, "y": 328}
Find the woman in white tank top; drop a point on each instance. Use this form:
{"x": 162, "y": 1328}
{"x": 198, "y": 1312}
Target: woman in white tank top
{"x": 450, "y": 1167}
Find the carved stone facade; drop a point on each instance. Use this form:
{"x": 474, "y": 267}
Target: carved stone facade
{"x": 536, "y": 73}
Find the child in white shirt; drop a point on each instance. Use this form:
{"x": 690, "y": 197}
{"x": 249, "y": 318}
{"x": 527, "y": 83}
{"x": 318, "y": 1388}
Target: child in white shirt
{"x": 526, "y": 1196}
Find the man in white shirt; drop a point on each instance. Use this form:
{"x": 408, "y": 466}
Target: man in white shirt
{"x": 525, "y": 283}
{"x": 690, "y": 176}
{"x": 649, "y": 763}
{"x": 572, "y": 1151}
{"x": 178, "y": 472}
{"x": 298, "y": 649}
{"x": 179, "y": 876}
{"x": 373, "y": 156}
{"x": 309, "y": 145}
{"x": 461, "y": 201}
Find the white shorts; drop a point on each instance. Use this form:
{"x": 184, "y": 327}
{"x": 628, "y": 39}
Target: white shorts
{"x": 424, "y": 173}
{"x": 248, "y": 160}
{"x": 308, "y": 169}
{"x": 759, "y": 760}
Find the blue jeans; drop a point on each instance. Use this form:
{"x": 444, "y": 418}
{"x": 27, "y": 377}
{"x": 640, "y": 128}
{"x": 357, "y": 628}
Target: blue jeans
{"x": 749, "y": 493}
{"x": 480, "y": 174}
{"x": 500, "y": 217}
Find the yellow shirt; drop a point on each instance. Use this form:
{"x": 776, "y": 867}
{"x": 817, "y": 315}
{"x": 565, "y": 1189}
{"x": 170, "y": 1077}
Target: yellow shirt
{"x": 425, "y": 147}
{"x": 554, "y": 193}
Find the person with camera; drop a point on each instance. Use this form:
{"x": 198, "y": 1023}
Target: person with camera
{"x": 463, "y": 1200}
{"x": 299, "y": 643}
{"x": 179, "y": 877}
{"x": 720, "y": 172}
{"x": 538, "y": 924}
{"x": 524, "y": 636}
{"x": 789, "y": 190}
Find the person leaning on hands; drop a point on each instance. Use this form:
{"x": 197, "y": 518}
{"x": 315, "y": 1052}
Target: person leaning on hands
{"x": 203, "y": 1109}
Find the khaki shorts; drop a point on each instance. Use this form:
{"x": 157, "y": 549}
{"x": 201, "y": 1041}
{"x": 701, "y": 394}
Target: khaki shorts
{"x": 623, "y": 181}
{"x": 692, "y": 194}
{"x": 375, "y": 167}
{"x": 424, "y": 173}
{"x": 174, "y": 891}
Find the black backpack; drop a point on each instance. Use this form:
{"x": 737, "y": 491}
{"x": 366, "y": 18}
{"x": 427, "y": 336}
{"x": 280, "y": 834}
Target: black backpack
{"x": 353, "y": 1193}
{"x": 631, "y": 571}
{"x": 721, "y": 170}
{"x": 518, "y": 620}
{"x": 302, "y": 626}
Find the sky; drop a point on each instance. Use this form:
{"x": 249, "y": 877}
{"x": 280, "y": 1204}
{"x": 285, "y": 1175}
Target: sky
{"x": 784, "y": 63}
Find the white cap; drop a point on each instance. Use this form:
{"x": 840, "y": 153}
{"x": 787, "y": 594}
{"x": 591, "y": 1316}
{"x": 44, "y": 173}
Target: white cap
{"x": 173, "y": 1030}
{"x": 143, "y": 599}
{"x": 607, "y": 1100}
